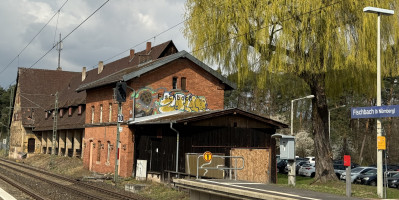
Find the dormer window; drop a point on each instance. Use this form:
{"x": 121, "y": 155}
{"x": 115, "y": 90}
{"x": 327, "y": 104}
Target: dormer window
{"x": 174, "y": 83}
{"x": 70, "y": 111}
{"x": 61, "y": 112}
{"x": 46, "y": 114}
{"x": 80, "y": 110}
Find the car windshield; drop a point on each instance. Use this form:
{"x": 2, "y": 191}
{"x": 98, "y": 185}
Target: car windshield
{"x": 357, "y": 170}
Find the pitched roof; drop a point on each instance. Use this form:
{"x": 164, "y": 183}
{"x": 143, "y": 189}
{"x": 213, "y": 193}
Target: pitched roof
{"x": 136, "y": 71}
{"x": 182, "y": 54}
{"x": 182, "y": 117}
{"x": 37, "y": 88}
{"x": 112, "y": 71}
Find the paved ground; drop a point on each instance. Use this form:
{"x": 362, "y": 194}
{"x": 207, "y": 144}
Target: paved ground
{"x": 15, "y": 193}
{"x": 255, "y": 190}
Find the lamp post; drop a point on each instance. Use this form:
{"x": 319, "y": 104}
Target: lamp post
{"x": 329, "y": 117}
{"x": 292, "y": 172}
{"x": 379, "y": 12}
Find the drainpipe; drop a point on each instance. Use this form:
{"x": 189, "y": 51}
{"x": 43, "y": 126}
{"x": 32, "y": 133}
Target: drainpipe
{"x": 177, "y": 146}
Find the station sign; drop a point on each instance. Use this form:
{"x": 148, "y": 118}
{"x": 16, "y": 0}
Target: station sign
{"x": 347, "y": 160}
{"x": 375, "y": 112}
{"x": 381, "y": 143}
{"x": 120, "y": 118}
{"x": 207, "y": 156}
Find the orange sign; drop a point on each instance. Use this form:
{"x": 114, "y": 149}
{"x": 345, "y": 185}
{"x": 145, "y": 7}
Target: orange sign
{"x": 381, "y": 144}
{"x": 207, "y": 156}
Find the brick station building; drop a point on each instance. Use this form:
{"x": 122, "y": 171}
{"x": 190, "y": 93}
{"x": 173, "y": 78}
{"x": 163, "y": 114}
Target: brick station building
{"x": 170, "y": 94}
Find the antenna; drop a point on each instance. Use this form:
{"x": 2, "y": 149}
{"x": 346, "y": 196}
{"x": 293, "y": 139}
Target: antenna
{"x": 59, "y": 48}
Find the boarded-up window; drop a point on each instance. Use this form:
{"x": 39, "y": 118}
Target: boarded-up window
{"x": 99, "y": 151}
{"x": 101, "y": 113}
{"x": 183, "y": 83}
{"x": 174, "y": 83}
{"x": 108, "y": 151}
{"x": 70, "y": 111}
{"x": 110, "y": 113}
{"x": 92, "y": 114}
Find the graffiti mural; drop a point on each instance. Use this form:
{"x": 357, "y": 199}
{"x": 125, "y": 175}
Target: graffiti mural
{"x": 149, "y": 102}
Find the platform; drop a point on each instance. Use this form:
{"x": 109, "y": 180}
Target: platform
{"x": 215, "y": 189}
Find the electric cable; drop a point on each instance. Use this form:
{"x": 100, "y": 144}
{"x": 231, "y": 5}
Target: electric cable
{"x": 17, "y": 56}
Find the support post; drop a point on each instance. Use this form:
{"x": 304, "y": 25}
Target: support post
{"x": 348, "y": 182}
{"x": 55, "y": 124}
{"x": 379, "y": 127}
{"x": 117, "y": 143}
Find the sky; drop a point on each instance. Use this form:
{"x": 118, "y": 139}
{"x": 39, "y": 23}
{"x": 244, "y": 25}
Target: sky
{"x": 118, "y": 26}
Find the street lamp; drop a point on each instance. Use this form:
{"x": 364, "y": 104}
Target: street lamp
{"x": 291, "y": 173}
{"x": 329, "y": 117}
{"x": 292, "y": 110}
{"x": 379, "y": 12}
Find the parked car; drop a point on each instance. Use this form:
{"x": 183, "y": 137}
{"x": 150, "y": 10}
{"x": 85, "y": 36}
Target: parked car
{"x": 368, "y": 178}
{"x": 298, "y": 166}
{"x": 356, "y": 172}
{"x": 339, "y": 169}
{"x": 307, "y": 170}
{"x": 311, "y": 159}
{"x": 394, "y": 181}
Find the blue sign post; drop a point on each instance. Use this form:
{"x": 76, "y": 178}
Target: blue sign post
{"x": 375, "y": 112}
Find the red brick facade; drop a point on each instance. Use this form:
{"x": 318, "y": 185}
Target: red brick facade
{"x": 198, "y": 82}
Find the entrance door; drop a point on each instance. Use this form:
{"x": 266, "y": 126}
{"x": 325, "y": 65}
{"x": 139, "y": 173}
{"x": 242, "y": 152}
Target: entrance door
{"x": 155, "y": 163}
{"x": 31, "y": 145}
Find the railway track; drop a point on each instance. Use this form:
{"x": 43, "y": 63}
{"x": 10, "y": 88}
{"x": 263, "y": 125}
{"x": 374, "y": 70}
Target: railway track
{"x": 81, "y": 189}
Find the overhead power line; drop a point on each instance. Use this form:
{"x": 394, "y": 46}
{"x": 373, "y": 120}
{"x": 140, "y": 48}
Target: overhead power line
{"x": 166, "y": 30}
{"x": 55, "y": 45}
{"x": 17, "y": 56}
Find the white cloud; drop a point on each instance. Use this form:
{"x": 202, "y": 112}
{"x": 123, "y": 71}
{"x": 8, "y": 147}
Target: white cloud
{"x": 116, "y": 27}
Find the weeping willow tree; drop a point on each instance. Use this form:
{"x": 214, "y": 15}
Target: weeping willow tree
{"x": 330, "y": 45}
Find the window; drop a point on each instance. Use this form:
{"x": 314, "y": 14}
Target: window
{"x": 80, "y": 110}
{"x": 108, "y": 151}
{"x": 99, "y": 151}
{"x": 70, "y": 111}
{"x": 174, "y": 83}
{"x": 61, "y": 112}
{"x": 46, "y": 115}
{"x": 110, "y": 112}
{"x": 101, "y": 113}
{"x": 183, "y": 83}
{"x": 92, "y": 114}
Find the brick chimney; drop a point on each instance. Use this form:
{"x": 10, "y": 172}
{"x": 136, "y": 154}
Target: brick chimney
{"x": 83, "y": 73}
{"x": 148, "y": 49}
{"x": 100, "y": 67}
{"x": 131, "y": 54}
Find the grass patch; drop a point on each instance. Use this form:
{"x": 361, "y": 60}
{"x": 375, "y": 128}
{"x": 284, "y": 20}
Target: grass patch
{"x": 336, "y": 187}
{"x": 73, "y": 167}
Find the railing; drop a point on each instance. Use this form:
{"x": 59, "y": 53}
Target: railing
{"x": 222, "y": 167}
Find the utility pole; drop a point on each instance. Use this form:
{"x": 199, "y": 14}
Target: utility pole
{"x": 55, "y": 123}
{"x": 117, "y": 141}
{"x": 9, "y": 121}
{"x": 120, "y": 95}
{"x": 59, "y": 48}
